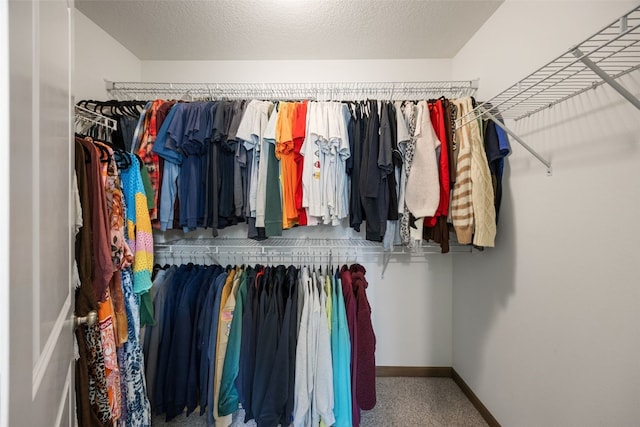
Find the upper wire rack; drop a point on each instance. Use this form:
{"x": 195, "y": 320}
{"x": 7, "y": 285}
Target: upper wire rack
{"x": 339, "y": 91}
{"x": 615, "y": 49}
{"x": 82, "y": 113}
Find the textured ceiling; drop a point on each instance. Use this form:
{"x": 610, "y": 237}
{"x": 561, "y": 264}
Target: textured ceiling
{"x": 289, "y": 29}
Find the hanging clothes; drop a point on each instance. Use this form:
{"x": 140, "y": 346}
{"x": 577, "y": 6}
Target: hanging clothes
{"x": 462, "y": 213}
{"x": 341, "y": 355}
{"x": 436, "y": 227}
{"x": 284, "y": 152}
{"x": 356, "y": 132}
{"x": 373, "y": 186}
{"x": 92, "y": 402}
{"x": 294, "y": 318}
{"x": 481, "y": 190}
{"x": 497, "y": 148}
{"x": 110, "y": 386}
{"x": 212, "y": 164}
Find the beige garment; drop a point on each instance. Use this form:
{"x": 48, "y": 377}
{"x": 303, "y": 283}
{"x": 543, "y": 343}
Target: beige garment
{"x": 423, "y": 184}
{"x": 461, "y": 202}
{"x": 482, "y": 194}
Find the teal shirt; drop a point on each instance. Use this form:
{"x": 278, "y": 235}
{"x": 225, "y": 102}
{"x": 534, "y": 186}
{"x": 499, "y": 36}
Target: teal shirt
{"x": 341, "y": 355}
{"x": 229, "y": 398}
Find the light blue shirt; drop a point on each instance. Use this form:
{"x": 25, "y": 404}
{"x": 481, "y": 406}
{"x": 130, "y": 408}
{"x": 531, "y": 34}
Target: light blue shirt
{"x": 341, "y": 355}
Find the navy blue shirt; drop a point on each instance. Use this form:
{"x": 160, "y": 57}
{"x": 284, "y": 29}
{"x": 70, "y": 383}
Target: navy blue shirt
{"x": 177, "y": 369}
{"x": 167, "y": 333}
{"x": 248, "y": 342}
{"x": 203, "y": 332}
{"x": 212, "y": 179}
{"x": 193, "y": 382}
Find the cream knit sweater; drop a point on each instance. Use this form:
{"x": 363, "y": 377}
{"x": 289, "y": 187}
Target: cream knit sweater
{"x": 473, "y": 210}
{"x": 423, "y": 184}
{"x": 482, "y": 195}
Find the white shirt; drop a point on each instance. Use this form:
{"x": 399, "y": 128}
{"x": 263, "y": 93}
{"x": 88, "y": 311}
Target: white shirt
{"x": 323, "y": 391}
{"x": 311, "y": 183}
{"x": 302, "y": 397}
{"x": 343, "y": 152}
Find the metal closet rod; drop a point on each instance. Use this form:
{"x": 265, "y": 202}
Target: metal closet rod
{"x": 338, "y": 250}
{"x": 307, "y": 90}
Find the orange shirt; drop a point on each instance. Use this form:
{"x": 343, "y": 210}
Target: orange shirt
{"x": 288, "y": 168}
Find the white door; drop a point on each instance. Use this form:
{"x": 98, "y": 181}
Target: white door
{"x": 40, "y": 306}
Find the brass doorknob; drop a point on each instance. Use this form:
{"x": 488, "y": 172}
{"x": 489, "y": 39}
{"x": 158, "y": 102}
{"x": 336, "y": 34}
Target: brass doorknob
{"x": 90, "y": 319}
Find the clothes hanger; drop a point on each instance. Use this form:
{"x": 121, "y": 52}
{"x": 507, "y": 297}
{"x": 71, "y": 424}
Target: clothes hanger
{"x": 105, "y": 156}
{"x": 122, "y": 159}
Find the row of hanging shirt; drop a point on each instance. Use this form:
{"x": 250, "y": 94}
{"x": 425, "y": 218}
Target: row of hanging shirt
{"x": 212, "y": 164}
{"x": 114, "y": 259}
{"x": 289, "y": 345}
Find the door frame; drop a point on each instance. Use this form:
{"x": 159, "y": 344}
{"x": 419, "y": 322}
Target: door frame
{"x": 36, "y": 244}
{"x": 4, "y": 214}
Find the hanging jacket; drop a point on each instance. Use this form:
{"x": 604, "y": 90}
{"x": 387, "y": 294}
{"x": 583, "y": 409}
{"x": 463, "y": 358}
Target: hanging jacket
{"x": 350, "y": 308}
{"x": 366, "y": 375}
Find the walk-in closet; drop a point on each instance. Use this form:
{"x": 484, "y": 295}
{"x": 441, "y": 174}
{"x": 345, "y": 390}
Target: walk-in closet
{"x": 319, "y": 213}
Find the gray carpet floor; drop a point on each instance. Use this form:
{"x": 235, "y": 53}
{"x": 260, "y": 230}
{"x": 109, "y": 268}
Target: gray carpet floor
{"x": 401, "y": 402}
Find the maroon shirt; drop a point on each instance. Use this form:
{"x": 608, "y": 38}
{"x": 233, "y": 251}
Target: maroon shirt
{"x": 366, "y": 365}
{"x": 350, "y": 307}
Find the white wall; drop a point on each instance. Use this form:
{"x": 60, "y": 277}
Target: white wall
{"x": 99, "y": 56}
{"x": 546, "y": 327}
{"x": 296, "y": 71}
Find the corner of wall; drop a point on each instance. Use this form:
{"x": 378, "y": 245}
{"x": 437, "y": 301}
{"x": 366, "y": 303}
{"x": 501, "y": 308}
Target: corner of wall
{"x": 98, "y": 56}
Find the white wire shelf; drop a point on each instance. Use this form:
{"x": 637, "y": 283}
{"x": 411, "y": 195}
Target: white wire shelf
{"x": 291, "y": 250}
{"x": 338, "y": 91}
{"x": 278, "y": 243}
{"x": 602, "y": 58}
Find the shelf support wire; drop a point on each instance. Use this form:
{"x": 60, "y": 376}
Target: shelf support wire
{"x": 386, "y": 257}
{"x": 520, "y": 141}
{"x": 607, "y": 78}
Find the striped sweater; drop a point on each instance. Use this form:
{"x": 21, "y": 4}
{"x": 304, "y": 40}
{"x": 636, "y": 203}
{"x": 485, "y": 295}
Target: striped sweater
{"x": 461, "y": 203}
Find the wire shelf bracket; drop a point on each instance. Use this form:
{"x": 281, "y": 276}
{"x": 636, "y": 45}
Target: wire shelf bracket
{"x": 520, "y": 141}
{"x": 607, "y": 78}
